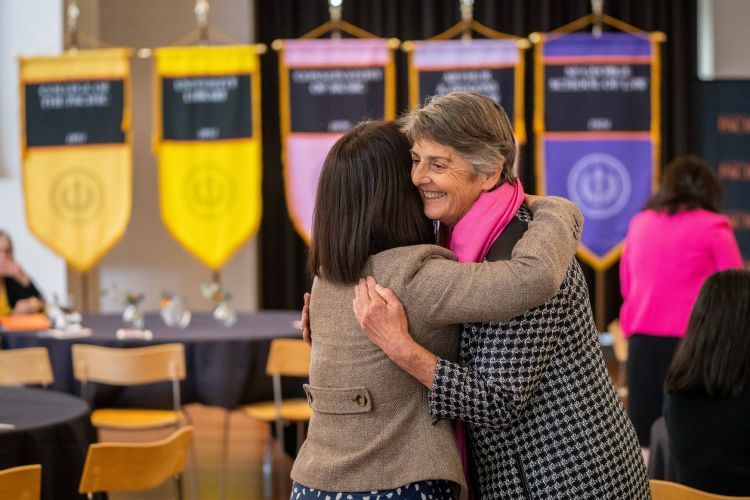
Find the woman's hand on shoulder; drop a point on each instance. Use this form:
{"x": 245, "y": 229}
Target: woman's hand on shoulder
{"x": 380, "y": 315}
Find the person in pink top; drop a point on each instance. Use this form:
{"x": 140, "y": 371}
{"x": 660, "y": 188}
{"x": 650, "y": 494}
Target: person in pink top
{"x": 671, "y": 247}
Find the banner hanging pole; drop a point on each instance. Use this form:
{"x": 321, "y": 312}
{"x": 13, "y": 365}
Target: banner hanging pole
{"x": 597, "y": 6}
{"x": 201, "y": 10}
{"x": 334, "y": 11}
{"x": 600, "y": 299}
{"x": 467, "y": 16}
{"x": 72, "y": 15}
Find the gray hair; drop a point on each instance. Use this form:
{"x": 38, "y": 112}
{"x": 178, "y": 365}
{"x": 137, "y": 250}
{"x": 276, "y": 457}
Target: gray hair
{"x": 472, "y": 124}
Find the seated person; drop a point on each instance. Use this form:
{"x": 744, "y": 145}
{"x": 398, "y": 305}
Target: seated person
{"x": 18, "y": 295}
{"x": 707, "y": 405}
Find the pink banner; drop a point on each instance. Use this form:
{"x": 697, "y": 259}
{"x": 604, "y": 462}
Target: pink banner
{"x": 305, "y": 153}
{"x": 327, "y": 87}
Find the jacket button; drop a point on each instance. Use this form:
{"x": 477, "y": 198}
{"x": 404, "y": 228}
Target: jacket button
{"x": 360, "y": 400}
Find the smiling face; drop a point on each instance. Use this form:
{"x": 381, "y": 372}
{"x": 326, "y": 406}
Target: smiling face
{"x": 447, "y": 183}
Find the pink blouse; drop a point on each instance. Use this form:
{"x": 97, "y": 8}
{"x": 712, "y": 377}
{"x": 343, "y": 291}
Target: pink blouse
{"x": 665, "y": 261}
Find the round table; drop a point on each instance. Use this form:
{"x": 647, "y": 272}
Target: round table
{"x": 48, "y": 428}
{"x": 226, "y": 367}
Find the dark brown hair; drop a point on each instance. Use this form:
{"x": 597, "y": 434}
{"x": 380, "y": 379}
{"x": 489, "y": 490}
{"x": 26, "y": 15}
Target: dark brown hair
{"x": 687, "y": 183}
{"x": 365, "y": 203}
{"x": 714, "y": 356}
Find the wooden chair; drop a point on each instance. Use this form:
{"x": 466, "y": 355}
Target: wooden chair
{"x": 131, "y": 366}
{"x": 25, "y": 366}
{"x": 667, "y": 490}
{"x": 620, "y": 347}
{"x": 136, "y": 466}
{"x": 286, "y": 357}
{"x": 21, "y": 483}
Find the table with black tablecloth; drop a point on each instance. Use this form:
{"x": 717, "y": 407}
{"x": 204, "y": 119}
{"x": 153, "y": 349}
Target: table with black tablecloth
{"x": 225, "y": 366}
{"x": 48, "y": 428}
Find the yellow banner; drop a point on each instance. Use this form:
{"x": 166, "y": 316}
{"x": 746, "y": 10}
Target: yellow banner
{"x": 207, "y": 139}
{"x": 75, "y": 141}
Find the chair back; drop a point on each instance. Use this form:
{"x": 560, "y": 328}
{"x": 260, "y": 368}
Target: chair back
{"x": 21, "y": 483}
{"x": 135, "y": 466}
{"x": 29, "y": 365}
{"x": 128, "y": 366}
{"x": 288, "y": 357}
{"x": 667, "y": 490}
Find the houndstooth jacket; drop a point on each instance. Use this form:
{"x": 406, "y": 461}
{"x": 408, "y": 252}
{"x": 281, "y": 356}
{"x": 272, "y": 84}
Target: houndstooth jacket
{"x": 544, "y": 420}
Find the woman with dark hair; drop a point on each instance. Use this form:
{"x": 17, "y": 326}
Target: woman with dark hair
{"x": 707, "y": 406}
{"x": 671, "y": 248}
{"x": 18, "y": 295}
{"x": 371, "y": 433}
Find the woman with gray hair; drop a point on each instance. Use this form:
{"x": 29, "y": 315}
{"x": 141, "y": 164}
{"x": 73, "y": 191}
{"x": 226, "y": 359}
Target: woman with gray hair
{"x": 370, "y": 434}
{"x": 543, "y": 418}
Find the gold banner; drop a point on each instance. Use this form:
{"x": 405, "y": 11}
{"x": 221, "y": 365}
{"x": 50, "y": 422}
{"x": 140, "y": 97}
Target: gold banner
{"x": 77, "y": 169}
{"x": 207, "y": 139}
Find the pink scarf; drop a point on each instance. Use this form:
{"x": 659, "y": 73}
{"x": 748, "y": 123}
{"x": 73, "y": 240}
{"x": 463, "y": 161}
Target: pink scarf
{"x": 471, "y": 239}
{"x": 473, "y": 235}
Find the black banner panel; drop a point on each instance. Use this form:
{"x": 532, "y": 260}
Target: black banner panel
{"x": 332, "y": 100}
{"x": 74, "y": 113}
{"x": 496, "y": 83}
{"x": 725, "y": 144}
{"x": 207, "y": 108}
{"x": 598, "y": 98}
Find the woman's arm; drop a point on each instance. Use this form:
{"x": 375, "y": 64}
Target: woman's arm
{"x": 445, "y": 292}
{"x": 457, "y": 391}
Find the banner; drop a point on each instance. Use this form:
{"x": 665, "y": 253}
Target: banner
{"x": 725, "y": 144}
{"x": 494, "y": 68}
{"x": 208, "y": 144}
{"x": 326, "y": 87}
{"x": 597, "y": 119}
{"x": 75, "y": 143}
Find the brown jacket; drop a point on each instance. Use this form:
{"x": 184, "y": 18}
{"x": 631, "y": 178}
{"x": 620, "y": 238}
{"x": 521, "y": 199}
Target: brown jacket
{"x": 371, "y": 428}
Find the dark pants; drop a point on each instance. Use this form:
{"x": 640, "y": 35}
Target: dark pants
{"x": 649, "y": 357}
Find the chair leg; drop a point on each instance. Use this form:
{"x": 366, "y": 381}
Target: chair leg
{"x": 224, "y": 457}
{"x": 178, "y": 486}
{"x": 194, "y": 485}
{"x": 267, "y": 468}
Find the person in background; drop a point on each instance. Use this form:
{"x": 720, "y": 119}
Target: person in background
{"x": 671, "y": 248}
{"x": 707, "y": 402}
{"x": 18, "y": 295}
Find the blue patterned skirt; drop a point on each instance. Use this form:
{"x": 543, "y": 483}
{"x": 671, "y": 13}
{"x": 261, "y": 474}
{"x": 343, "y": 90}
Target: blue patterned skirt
{"x": 422, "y": 490}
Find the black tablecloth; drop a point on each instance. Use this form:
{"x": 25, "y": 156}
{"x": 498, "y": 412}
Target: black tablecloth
{"x": 51, "y": 429}
{"x": 225, "y": 366}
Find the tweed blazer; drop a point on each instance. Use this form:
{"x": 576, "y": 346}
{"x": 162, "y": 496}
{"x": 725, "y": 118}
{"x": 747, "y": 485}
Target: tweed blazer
{"x": 371, "y": 428}
{"x": 545, "y": 421}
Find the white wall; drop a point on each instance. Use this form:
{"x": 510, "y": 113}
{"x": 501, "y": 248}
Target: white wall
{"x": 27, "y": 27}
{"x": 148, "y": 259}
{"x": 723, "y": 39}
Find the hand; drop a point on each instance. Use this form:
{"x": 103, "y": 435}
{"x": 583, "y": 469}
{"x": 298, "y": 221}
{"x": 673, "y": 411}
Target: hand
{"x": 28, "y": 306}
{"x": 530, "y": 199}
{"x": 9, "y": 268}
{"x": 380, "y": 315}
{"x": 305, "y": 320}
{"x": 383, "y": 319}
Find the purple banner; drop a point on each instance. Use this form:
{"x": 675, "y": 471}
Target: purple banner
{"x": 598, "y": 125}
{"x": 609, "y": 180}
